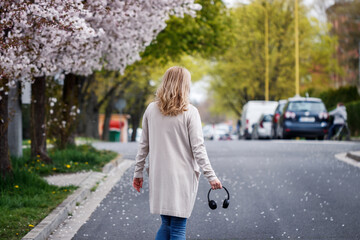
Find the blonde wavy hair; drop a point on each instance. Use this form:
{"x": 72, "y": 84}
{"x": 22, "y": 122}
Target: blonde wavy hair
{"x": 172, "y": 96}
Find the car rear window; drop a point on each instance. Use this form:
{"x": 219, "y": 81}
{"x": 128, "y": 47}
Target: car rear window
{"x": 281, "y": 107}
{"x": 305, "y": 106}
{"x": 267, "y": 118}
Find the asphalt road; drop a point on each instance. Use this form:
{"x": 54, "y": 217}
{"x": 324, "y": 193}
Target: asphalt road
{"x": 279, "y": 190}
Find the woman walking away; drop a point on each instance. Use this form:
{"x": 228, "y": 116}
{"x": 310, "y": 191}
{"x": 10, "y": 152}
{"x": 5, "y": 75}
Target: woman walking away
{"x": 172, "y": 136}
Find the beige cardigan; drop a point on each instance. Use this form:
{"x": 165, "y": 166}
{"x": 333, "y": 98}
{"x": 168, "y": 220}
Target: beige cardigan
{"x": 176, "y": 150}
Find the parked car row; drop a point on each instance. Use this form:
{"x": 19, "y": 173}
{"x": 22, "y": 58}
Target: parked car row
{"x": 251, "y": 114}
{"x": 295, "y": 117}
{"x": 220, "y": 131}
{"x": 138, "y": 134}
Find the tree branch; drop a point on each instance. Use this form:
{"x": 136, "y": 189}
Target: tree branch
{"x": 110, "y": 92}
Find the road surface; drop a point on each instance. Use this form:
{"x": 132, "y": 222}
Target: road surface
{"x": 279, "y": 190}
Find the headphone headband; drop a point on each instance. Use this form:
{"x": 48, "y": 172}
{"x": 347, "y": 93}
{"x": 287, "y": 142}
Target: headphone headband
{"x": 228, "y": 194}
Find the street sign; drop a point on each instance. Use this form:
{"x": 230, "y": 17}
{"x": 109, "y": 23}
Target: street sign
{"x": 120, "y": 104}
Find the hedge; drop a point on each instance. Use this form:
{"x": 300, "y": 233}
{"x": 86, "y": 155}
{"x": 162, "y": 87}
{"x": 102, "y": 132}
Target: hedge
{"x": 353, "y": 111}
{"x": 345, "y": 95}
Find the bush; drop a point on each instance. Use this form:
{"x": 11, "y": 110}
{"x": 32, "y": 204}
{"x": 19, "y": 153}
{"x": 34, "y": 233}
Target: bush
{"x": 353, "y": 111}
{"x": 343, "y": 94}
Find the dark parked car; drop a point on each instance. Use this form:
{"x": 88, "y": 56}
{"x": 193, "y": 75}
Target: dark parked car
{"x": 304, "y": 117}
{"x": 275, "y": 121}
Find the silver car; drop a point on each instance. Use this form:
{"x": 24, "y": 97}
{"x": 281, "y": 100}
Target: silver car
{"x": 262, "y": 128}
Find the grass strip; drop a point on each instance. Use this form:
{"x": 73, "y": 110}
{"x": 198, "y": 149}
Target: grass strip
{"x": 69, "y": 160}
{"x": 26, "y": 198}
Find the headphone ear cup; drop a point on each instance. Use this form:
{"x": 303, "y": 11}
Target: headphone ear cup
{"x": 212, "y": 204}
{"x": 226, "y": 203}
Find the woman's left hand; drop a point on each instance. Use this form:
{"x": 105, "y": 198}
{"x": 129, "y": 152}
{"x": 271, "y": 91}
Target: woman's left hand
{"x": 137, "y": 183}
{"x": 216, "y": 184}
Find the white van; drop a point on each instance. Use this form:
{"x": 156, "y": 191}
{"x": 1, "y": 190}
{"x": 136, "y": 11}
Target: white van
{"x": 251, "y": 112}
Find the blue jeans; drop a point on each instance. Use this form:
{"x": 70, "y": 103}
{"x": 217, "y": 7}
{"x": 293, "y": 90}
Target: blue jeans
{"x": 172, "y": 228}
{"x": 332, "y": 130}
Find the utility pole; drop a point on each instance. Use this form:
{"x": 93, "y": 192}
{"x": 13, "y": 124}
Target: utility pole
{"x": 266, "y": 23}
{"x": 297, "y": 80}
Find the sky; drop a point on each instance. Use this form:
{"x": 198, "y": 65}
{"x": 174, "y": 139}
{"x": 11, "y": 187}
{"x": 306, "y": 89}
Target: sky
{"x": 307, "y": 2}
{"x": 198, "y": 92}
{"x": 199, "y": 89}
{"x": 310, "y": 3}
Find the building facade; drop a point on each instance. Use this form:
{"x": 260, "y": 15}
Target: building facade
{"x": 344, "y": 16}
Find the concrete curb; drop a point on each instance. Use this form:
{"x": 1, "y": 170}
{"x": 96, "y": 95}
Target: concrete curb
{"x": 82, "y": 213}
{"x": 113, "y": 164}
{"x": 343, "y": 157}
{"x": 61, "y": 212}
{"x": 354, "y": 155}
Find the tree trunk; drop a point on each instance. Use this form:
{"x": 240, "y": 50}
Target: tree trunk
{"x": 85, "y": 83}
{"x": 135, "y": 122}
{"x": 137, "y": 110}
{"x": 91, "y": 119}
{"x": 38, "y": 120}
{"x": 15, "y": 124}
{"x": 70, "y": 99}
{"x": 108, "y": 112}
{"x": 5, "y": 163}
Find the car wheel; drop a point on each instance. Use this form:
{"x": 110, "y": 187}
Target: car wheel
{"x": 284, "y": 135}
{"x": 278, "y": 133}
{"x": 321, "y": 137}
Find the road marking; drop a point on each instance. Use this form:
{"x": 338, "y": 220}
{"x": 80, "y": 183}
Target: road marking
{"x": 342, "y": 157}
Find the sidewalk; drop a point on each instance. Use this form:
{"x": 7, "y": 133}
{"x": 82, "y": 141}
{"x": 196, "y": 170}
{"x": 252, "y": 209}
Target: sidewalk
{"x": 88, "y": 183}
{"x": 354, "y": 155}
{"x": 351, "y": 157}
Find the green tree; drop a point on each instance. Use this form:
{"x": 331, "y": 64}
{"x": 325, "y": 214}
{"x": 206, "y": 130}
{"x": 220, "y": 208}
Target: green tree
{"x": 207, "y": 35}
{"x": 239, "y": 75}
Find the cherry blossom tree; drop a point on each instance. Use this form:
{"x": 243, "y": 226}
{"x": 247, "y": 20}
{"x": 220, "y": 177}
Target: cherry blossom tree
{"x": 28, "y": 30}
{"x": 44, "y": 37}
{"x": 130, "y": 26}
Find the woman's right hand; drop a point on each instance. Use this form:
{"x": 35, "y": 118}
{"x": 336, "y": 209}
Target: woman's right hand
{"x": 215, "y": 184}
{"x": 137, "y": 183}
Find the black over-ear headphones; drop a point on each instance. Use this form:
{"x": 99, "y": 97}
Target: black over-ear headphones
{"x": 212, "y": 203}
